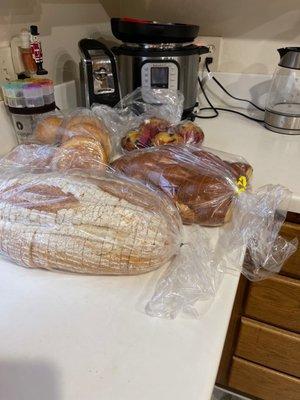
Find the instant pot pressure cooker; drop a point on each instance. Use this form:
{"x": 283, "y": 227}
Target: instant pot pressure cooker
{"x": 154, "y": 55}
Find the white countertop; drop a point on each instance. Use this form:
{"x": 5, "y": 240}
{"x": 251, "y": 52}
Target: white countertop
{"x": 275, "y": 158}
{"x": 68, "y": 337}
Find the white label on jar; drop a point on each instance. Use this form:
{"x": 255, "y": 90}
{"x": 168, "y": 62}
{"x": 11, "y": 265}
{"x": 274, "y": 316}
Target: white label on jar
{"x": 23, "y": 125}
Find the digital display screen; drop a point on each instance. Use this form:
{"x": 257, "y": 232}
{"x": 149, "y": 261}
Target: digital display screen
{"x": 159, "y": 77}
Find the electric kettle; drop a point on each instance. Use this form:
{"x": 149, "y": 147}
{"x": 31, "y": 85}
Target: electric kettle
{"x": 282, "y": 113}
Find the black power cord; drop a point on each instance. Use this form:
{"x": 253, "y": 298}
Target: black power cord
{"x": 208, "y": 60}
{"x": 216, "y": 110}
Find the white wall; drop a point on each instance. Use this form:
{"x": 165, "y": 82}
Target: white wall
{"x": 62, "y": 23}
{"x": 255, "y": 51}
{"x": 252, "y": 29}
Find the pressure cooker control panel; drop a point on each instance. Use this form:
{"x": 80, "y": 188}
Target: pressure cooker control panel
{"x": 163, "y": 75}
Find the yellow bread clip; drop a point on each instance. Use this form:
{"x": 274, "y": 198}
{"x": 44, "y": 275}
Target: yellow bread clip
{"x": 241, "y": 184}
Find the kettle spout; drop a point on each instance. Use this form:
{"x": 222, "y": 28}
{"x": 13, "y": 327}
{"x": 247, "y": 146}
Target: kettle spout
{"x": 282, "y": 51}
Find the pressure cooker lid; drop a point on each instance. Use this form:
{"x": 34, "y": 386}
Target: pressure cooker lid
{"x": 133, "y": 30}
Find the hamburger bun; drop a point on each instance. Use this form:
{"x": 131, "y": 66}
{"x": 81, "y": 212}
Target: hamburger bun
{"x": 98, "y": 133}
{"x": 48, "y": 130}
{"x": 80, "y": 152}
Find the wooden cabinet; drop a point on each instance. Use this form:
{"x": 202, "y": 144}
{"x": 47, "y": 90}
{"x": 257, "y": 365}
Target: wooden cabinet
{"x": 292, "y": 266}
{"x": 269, "y": 346}
{"x": 261, "y": 355}
{"x": 262, "y": 382}
{"x": 276, "y": 301}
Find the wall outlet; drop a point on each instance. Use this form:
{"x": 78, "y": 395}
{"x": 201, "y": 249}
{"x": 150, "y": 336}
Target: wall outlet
{"x": 215, "y": 45}
{"x": 7, "y": 71}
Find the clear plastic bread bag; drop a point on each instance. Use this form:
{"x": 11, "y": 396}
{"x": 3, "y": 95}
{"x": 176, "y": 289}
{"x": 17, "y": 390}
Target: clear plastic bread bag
{"x": 57, "y": 129}
{"x": 85, "y": 142}
{"x": 85, "y": 222}
{"x": 66, "y": 219}
{"x": 101, "y": 223}
{"x": 254, "y": 227}
{"x": 48, "y": 129}
{"x": 78, "y": 140}
{"x": 97, "y": 221}
{"x": 148, "y": 117}
{"x": 211, "y": 188}
{"x": 200, "y": 181}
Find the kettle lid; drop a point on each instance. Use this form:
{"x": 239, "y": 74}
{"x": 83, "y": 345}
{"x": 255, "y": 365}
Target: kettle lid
{"x": 290, "y": 57}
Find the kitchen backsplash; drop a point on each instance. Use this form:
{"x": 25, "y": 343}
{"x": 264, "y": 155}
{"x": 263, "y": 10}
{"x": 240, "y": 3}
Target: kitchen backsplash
{"x": 254, "y": 87}
{"x": 251, "y": 30}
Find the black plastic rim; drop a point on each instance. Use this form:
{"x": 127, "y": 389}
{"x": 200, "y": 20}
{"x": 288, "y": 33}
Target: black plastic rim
{"x": 142, "y": 52}
{"x": 151, "y": 32}
{"x": 32, "y": 110}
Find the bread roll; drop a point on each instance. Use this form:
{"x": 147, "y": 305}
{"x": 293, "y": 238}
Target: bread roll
{"x": 80, "y": 152}
{"x": 201, "y": 185}
{"x": 72, "y": 223}
{"x": 48, "y": 130}
{"x": 81, "y": 119}
{"x": 89, "y": 130}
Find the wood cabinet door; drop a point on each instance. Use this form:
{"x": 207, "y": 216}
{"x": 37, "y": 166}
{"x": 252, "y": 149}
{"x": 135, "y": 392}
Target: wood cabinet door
{"x": 269, "y": 346}
{"x": 261, "y": 382}
{"x": 292, "y": 265}
{"x": 276, "y": 301}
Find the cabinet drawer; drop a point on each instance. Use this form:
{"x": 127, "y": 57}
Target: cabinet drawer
{"x": 269, "y": 346}
{"x": 275, "y": 301}
{"x": 292, "y": 265}
{"x": 262, "y": 382}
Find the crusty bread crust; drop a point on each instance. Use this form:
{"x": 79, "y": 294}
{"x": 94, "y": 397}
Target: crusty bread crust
{"x": 48, "y": 130}
{"x": 80, "y": 152}
{"x": 89, "y": 129}
{"x": 71, "y": 223}
{"x": 201, "y": 184}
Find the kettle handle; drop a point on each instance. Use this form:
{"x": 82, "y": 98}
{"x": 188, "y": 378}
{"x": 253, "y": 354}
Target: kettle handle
{"x": 282, "y": 51}
{"x": 85, "y": 45}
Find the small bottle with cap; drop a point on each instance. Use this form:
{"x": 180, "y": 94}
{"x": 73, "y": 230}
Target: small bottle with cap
{"x": 26, "y": 54}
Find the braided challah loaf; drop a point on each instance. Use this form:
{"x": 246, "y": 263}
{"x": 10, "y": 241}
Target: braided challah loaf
{"x": 200, "y": 183}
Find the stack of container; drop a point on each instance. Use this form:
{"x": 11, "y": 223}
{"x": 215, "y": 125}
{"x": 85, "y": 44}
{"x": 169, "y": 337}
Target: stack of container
{"x": 26, "y": 100}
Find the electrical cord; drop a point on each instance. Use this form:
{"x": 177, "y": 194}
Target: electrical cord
{"x": 209, "y": 102}
{"x": 226, "y": 91}
{"x": 217, "y": 109}
{"x": 226, "y": 109}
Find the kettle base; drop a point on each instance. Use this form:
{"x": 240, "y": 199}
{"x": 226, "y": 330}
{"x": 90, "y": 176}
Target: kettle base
{"x": 280, "y": 123}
